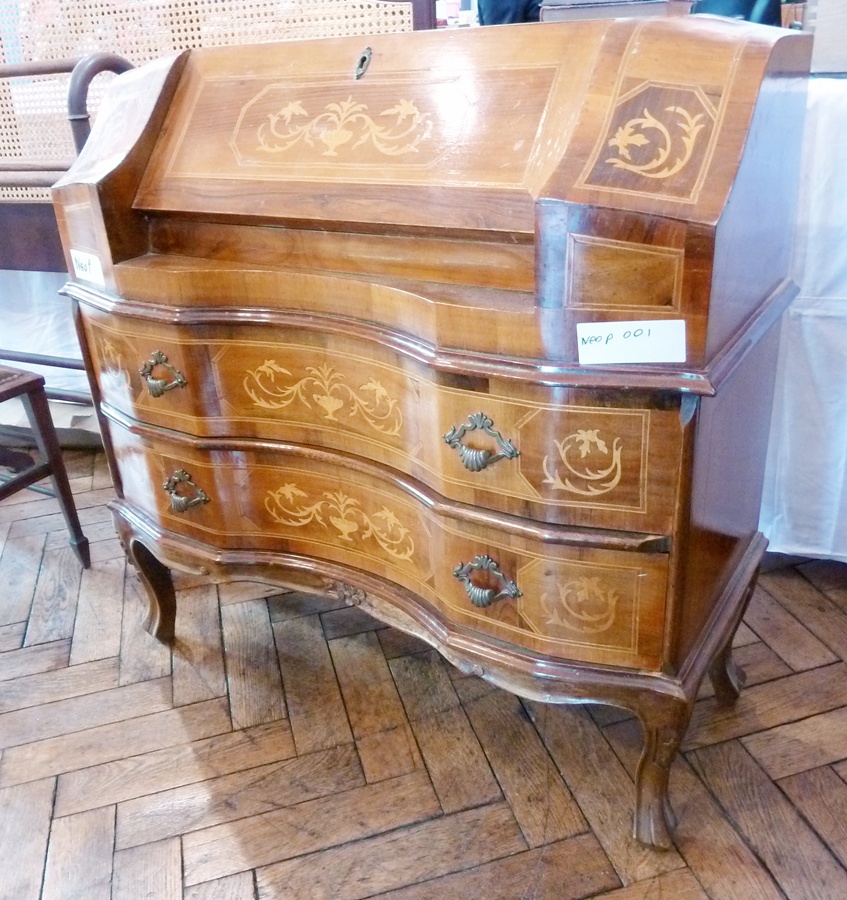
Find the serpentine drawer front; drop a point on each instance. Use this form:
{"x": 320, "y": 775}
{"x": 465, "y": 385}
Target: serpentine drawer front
{"x": 580, "y": 457}
{"x": 498, "y": 372}
{"x": 580, "y": 602}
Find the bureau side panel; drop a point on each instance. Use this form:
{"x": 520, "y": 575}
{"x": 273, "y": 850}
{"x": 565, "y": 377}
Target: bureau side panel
{"x": 93, "y": 200}
{"x": 754, "y": 241}
{"x": 729, "y": 455}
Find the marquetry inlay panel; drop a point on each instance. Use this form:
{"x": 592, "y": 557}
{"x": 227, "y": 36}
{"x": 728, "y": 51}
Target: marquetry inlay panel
{"x": 657, "y": 141}
{"x": 376, "y": 130}
{"x": 572, "y": 601}
{"x": 574, "y": 460}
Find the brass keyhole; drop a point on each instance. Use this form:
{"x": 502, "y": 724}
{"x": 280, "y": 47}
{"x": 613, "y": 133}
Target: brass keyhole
{"x": 363, "y": 63}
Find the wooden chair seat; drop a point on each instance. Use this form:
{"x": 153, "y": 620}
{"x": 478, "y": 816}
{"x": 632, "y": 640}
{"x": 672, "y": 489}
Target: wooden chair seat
{"x": 29, "y": 387}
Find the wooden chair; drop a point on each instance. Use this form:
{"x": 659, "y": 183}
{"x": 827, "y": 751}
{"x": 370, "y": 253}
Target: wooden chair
{"x": 31, "y": 242}
{"x": 765, "y": 12}
{"x": 29, "y": 388}
{"x": 141, "y": 30}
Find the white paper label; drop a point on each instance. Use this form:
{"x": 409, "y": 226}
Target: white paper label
{"x": 631, "y": 342}
{"x": 87, "y": 266}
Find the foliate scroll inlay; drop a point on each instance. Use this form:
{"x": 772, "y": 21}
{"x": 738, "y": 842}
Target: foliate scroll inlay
{"x": 591, "y": 469}
{"x": 336, "y": 510}
{"x": 660, "y": 136}
{"x": 113, "y": 374}
{"x": 326, "y": 388}
{"x": 583, "y": 605}
{"x": 401, "y": 130}
{"x": 638, "y": 132}
{"x": 611, "y": 603}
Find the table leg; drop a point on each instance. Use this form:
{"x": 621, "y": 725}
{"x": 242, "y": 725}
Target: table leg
{"x": 159, "y": 590}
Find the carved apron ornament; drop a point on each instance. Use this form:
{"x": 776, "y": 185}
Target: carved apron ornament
{"x": 346, "y": 593}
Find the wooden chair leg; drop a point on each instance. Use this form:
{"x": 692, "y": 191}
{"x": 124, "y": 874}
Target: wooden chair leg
{"x": 38, "y": 413}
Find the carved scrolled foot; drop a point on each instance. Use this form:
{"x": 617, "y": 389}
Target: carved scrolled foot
{"x": 654, "y": 819}
{"x": 727, "y": 677}
{"x": 158, "y": 587}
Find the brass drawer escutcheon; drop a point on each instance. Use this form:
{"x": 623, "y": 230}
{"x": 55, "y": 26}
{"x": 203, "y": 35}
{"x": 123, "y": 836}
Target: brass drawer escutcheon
{"x": 181, "y": 502}
{"x": 475, "y": 460}
{"x": 158, "y": 386}
{"x": 485, "y": 596}
{"x": 362, "y": 63}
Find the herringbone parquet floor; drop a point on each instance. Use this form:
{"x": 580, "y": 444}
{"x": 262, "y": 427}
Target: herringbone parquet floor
{"x": 285, "y": 748}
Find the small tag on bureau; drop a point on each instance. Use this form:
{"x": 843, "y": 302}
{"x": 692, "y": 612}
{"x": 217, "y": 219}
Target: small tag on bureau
{"x": 87, "y": 267}
{"x": 660, "y": 341}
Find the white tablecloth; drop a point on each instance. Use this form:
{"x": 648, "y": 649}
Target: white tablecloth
{"x": 804, "y": 506}
{"x": 34, "y": 318}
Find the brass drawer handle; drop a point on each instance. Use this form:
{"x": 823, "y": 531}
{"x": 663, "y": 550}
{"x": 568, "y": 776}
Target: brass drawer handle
{"x": 180, "y": 502}
{"x": 485, "y": 596}
{"x": 475, "y": 460}
{"x": 158, "y": 386}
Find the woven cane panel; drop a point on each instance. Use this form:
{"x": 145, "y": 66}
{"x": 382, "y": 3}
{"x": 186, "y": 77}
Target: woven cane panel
{"x": 145, "y": 29}
{"x": 33, "y": 111}
{"x": 34, "y": 127}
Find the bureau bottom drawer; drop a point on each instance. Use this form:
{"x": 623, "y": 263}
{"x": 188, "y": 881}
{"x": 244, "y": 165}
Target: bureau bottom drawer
{"x": 585, "y": 603}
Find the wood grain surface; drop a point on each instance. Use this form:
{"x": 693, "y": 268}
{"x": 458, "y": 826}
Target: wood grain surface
{"x": 450, "y": 787}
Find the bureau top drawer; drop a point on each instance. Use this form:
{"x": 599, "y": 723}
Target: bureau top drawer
{"x": 609, "y": 459}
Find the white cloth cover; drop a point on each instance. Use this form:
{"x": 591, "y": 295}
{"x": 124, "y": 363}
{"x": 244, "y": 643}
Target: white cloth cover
{"x": 35, "y": 318}
{"x": 804, "y": 506}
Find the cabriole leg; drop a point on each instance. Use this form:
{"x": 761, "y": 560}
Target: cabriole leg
{"x": 663, "y": 731}
{"x": 159, "y": 589}
{"x": 726, "y": 676}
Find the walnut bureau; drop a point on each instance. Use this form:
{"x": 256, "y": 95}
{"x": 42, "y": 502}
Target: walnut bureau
{"x": 475, "y": 329}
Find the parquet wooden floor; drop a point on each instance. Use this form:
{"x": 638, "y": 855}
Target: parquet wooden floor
{"x": 286, "y": 748}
